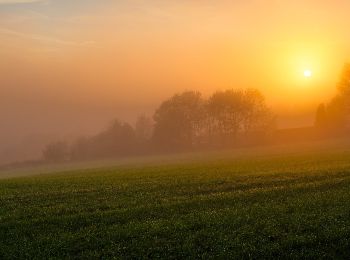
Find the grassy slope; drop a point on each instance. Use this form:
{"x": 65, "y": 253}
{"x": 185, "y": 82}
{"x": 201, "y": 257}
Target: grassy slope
{"x": 278, "y": 205}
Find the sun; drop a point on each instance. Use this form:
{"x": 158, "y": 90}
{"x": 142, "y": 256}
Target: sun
{"x": 307, "y": 73}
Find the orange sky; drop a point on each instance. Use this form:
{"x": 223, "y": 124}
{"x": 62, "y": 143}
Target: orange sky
{"x": 70, "y": 66}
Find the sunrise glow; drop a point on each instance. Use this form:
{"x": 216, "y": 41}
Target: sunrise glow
{"x": 64, "y": 62}
{"x": 307, "y": 73}
{"x": 174, "y": 129}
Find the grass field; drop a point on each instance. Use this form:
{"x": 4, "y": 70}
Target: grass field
{"x": 269, "y": 202}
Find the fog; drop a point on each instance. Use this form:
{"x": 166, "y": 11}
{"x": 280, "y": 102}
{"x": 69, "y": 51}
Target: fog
{"x": 68, "y": 68}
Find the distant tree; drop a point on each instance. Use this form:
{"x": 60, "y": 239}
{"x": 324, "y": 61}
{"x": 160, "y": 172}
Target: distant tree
{"x": 56, "y": 152}
{"x": 339, "y": 108}
{"x": 224, "y": 109}
{"x": 82, "y": 149}
{"x": 178, "y": 121}
{"x": 321, "y": 116}
{"x": 235, "y": 112}
{"x": 344, "y": 82}
{"x": 144, "y": 128}
{"x": 184, "y": 121}
{"x": 118, "y": 139}
{"x": 256, "y": 116}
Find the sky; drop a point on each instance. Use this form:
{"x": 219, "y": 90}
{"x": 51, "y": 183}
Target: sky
{"x": 69, "y": 67}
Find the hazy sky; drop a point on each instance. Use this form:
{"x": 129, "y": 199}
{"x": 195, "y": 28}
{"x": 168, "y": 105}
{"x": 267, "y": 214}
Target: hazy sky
{"x": 71, "y": 65}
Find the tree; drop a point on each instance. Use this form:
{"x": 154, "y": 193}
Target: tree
{"x": 118, "y": 139}
{"x": 321, "y": 116}
{"x": 56, "y": 152}
{"x": 224, "y": 110}
{"x": 344, "y": 82}
{"x": 338, "y": 109}
{"x": 235, "y": 112}
{"x": 144, "y": 128}
{"x": 82, "y": 149}
{"x": 256, "y": 116}
{"x": 178, "y": 121}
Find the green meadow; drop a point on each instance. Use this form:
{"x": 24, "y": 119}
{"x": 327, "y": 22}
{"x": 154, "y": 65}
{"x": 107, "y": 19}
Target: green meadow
{"x": 274, "y": 202}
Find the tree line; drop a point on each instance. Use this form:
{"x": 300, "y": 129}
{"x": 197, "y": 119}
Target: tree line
{"x": 188, "y": 121}
{"x": 334, "y": 116}
{"x": 185, "y": 121}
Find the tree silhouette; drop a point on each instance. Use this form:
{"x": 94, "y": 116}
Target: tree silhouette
{"x": 256, "y": 116}
{"x": 321, "y": 116}
{"x": 184, "y": 121}
{"x": 339, "y": 108}
{"x": 224, "y": 110}
{"x": 178, "y": 119}
{"x": 235, "y": 112}
{"x": 144, "y": 128}
{"x": 56, "y": 152}
{"x": 117, "y": 140}
{"x": 187, "y": 120}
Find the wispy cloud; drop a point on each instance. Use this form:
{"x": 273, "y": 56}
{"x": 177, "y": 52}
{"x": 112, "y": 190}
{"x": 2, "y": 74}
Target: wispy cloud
{"x": 43, "y": 38}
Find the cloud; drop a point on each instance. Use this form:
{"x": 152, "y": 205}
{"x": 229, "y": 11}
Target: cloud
{"x": 43, "y": 38}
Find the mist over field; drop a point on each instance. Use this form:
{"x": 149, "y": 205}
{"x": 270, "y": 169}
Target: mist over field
{"x": 69, "y": 68}
{"x": 175, "y": 129}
